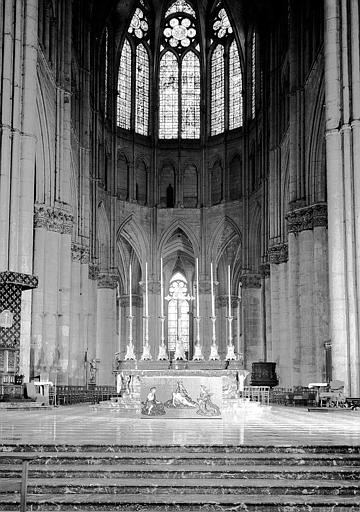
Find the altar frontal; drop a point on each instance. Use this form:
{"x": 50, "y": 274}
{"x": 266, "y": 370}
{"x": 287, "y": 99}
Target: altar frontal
{"x": 181, "y": 397}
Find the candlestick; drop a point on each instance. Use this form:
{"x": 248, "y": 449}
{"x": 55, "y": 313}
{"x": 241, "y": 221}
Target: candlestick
{"x": 197, "y": 288}
{"x": 146, "y": 291}
{"x": 161, "y": 289}
{"x": 130, "y": 292}
{"x": 229, "y": 290}
{"x": 212, "y": 291}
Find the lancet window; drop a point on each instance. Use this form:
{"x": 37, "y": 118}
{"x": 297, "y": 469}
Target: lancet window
{"x": 134, "y": 76}
{"x": 179, "y": 77}
{"x": 178, "y": 312}
{"x": 226, "y": 109}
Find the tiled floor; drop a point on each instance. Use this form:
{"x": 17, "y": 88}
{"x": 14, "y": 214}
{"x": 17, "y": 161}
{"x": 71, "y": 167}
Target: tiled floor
{"x": 252, "y": 426}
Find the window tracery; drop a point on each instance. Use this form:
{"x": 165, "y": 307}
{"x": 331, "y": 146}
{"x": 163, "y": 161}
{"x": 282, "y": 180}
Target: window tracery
{"x": 124, "y": 87}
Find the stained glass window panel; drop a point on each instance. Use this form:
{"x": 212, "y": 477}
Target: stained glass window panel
{"x": 106, "y": 70}
{"x": 235, "y": 88}
{"x": 180, "y": 6}
{"x": 217, "y": 90}
{"x": 178, "y": 312}
{"x": 124, "y": 88}
{"x": 190, "y": 96}
{"x": 142, "y": 91}
{"x": 169, "y": 97}
{"x": 253, "y": 75}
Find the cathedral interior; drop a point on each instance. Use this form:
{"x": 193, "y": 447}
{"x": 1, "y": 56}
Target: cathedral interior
{"x": 144, "y": 143}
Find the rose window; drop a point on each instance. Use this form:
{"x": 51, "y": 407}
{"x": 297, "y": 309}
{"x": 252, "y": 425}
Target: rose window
{"x": 180, "y": 33}
{"x": 138, "y": 25}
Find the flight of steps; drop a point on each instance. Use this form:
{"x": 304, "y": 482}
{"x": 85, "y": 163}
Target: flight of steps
{"x": 191, "y": 478}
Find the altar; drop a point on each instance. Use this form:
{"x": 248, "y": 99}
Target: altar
{"x": 185, "y": 389}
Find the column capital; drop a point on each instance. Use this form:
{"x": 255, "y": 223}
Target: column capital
{"x": 278, "y": 253}
{"x": 106, "y": 280}
{"x": 93, "y": 271}
{"x": 306, "y": 218}
{"x": 80, "y": 252}
{"x": 53, "y": 218}
{"x": 251, "y": 280}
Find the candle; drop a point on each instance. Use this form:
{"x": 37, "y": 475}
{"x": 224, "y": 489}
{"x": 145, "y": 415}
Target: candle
{"x": 212, "y": 291}
{"x": 130, "y": 293}
{"x": 197, "y": 288}
{"x": 161, "y": 289}
{"x": 229, "y": 285}
{"x": 146, "y": 291}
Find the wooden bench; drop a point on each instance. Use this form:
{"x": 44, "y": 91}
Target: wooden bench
{"x": 15, "y": 485}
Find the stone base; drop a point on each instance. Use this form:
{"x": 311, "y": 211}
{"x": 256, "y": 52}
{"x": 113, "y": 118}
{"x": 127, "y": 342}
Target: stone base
{"x": 206, "y": 365}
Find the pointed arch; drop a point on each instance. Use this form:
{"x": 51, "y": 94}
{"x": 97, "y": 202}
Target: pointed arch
{"x": 178, "y": 224}
{"x": 142, "y": 90}
{"x": 134, "y": 234}
{"x": 169, "y": 96}
{"x": 225, "y": 231}
{"x": 124, "y": 87}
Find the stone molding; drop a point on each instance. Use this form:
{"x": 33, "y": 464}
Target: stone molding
{"x": 52, "y": 218}
{"x": 107, "y": 280}
{"x": 251, "y": 280}
{"x": 278, "y": 254}
{"x": 306, "y": 218}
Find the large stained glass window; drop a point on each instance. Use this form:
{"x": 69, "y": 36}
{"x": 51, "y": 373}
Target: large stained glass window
{"x": 142, "y": 91}
{"x": 124, "y": 88}
{"x": 235, "y": 88}
{"x": 190, "y": 96}
{"x": 217, "y": 90}
{"x": 133, "y": 99}
{"x": 169, "y": 97}
{"x": 226, "y": 110}
{"x": 178, "y": 312}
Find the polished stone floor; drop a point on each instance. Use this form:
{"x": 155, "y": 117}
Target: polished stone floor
{"x": 263, "y": 425}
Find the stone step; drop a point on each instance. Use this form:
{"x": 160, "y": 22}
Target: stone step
{"x": 213, "y": 486}
{"x": 183, "y": 471}
{"x": 173, "y": 449}
{"x": 207, "y": 458}
{"x": 183, "y": 503}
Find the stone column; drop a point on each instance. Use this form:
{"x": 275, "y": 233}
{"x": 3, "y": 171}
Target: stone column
{"x": 308, "y": 237}
{"x": 342, "y": 103}
{"x": 106, "y": 340}
{"x": 252, "y": 329}
{"x": 281, "y": 347}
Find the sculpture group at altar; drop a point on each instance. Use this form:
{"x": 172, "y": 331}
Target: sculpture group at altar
{"x": 181, "y": 399}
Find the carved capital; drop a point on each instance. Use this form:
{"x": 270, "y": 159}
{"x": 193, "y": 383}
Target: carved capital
{"x": 223, "y": 301}
{"x": 107, "y": 280}
{"x": 264, "y": 270}
{"x": 93, "y": 271}
{"x": 278, "y": 254}
{"x": 80, "y": 253}
{"x": 307, "y": 218}
{"x": 136, "y": 301}
{"x": 251, "y": 280}
{"x": 53, "y": 218}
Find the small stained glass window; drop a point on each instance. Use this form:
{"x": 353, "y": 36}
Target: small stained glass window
{"x": 222, "y": 26}
{"x": 190, "y": 96}
{"x": 124, "y": 88}
{"x": 180, "y": 6}
{"x": 179, "y": 32}
{"x": 142, "y": 91}
{"x": 139, "y": 24}
{"x": 217, "y": 90}
{"x": 235, "y": 88}
{"x": 169, "y": 96}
